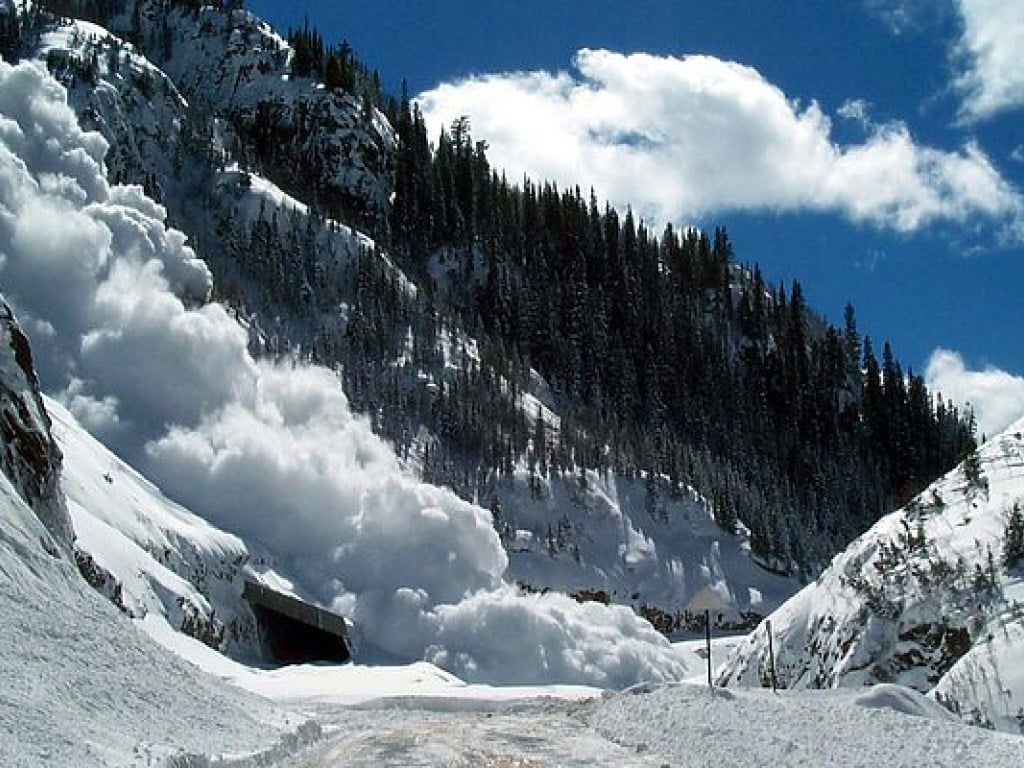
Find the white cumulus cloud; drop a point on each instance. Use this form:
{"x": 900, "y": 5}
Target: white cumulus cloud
{"x": 996, "y": 396}
{"x": 681, "y": 137}
{"x": 116, "y": 307}
{"x": 992, "y": 78}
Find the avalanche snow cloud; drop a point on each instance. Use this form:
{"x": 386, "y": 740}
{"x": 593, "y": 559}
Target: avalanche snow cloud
{"x": 116, "y": 305}
{"x": 679, "y": 137}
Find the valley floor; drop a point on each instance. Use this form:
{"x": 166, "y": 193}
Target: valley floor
{"x": 125, "y": 702}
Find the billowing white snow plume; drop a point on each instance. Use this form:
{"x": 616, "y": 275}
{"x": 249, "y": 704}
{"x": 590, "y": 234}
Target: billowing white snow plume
{"x": 116, "y": 305}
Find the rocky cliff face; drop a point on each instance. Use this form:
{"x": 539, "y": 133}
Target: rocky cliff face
{"x": 310, "y": 140}
{"x": 28, "y": 454}
{"x": 234, "y": 73}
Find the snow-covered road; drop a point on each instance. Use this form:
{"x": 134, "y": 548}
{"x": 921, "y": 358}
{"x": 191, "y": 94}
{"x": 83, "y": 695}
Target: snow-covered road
{"x": 523, "y": 736}
{"x": 680, "y": 725}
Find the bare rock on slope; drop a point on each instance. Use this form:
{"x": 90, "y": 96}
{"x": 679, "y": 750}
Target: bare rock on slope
{"x": 29, "y": 455}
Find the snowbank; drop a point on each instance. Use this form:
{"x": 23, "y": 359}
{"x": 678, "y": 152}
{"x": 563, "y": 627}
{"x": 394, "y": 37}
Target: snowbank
{"x": 688, "y": 726}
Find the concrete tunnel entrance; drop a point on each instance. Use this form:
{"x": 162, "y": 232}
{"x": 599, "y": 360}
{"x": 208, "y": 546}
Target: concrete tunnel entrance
{"x": 294, "y": 632}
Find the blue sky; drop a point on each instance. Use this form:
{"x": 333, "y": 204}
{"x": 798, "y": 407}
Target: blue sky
{"x": 873, "y": 149}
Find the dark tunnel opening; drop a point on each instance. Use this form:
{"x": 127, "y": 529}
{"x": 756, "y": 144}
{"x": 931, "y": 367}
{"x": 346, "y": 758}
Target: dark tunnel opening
{"x": 293, "y": 631}
{"x": 288, "y": 641}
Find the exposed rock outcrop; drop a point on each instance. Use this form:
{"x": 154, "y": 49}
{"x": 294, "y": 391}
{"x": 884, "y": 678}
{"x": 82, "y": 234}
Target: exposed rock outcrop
{"x": 28, "y": 454}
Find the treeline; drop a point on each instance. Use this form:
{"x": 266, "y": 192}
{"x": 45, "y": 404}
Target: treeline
{"x": 337, "y": 67}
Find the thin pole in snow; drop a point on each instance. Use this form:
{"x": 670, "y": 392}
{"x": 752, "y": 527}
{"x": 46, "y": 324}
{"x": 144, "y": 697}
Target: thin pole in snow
{"x": 707, "y": 636}
{"x": 771, "y": 653}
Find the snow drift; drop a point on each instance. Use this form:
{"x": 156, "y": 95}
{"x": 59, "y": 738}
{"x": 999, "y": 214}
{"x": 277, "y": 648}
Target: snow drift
{"x": 116, "y": 306}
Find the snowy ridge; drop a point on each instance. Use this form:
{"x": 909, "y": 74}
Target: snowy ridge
{"x": 245, "y": 198}
{"x": 119, "y": 93}
{"x": 233, "y": 65}
{"x": 150, "y": 555}
{"x": 927, "y": 598}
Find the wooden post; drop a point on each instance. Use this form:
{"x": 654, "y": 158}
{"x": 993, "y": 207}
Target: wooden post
{"x": 707, "y": 636}
{"x": 771, "y": 653}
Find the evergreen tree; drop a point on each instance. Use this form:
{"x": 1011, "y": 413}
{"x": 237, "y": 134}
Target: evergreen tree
{"x": 1013, "y": 537}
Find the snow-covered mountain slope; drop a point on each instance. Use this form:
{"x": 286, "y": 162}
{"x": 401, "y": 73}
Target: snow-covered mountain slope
{"x": 267, "y": 451}
{"x": 234, "y": 66}
{"x": 623, "y": 540}
{"x": 81, "y": 684}
{"x": 930, "y": 598}
{"x": 119, "y": 93}
{"x": 227, "y": 77}
{"x": 179, "y": 152}
{"x": 149, "y": 555}
{"x": 608, "y": 541}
